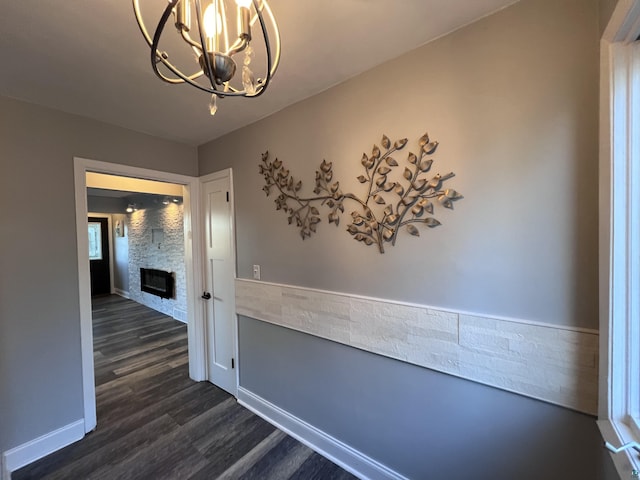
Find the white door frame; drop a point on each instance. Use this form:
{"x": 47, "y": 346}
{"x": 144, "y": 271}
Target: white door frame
{"x": 193, "y": 266}
{"x": 619, "y": 189}
{"x": 226, "y": 173}
{"x": 110, "y": 243}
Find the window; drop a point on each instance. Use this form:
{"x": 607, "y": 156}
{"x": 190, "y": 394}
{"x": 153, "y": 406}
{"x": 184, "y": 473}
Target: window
{"x": 619, "y": 409}
{"x": 95, "y": 241}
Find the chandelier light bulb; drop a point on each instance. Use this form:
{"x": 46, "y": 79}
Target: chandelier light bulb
{"x": 244, "y": 3}
{"x": 212, "y": 21}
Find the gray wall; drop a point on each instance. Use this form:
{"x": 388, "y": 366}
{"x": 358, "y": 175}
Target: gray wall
{"x": 606, "y": 10}
{"x": 421, "y": 423}
{"x": 40, "y": 361}
{"x": 513, "y": 101}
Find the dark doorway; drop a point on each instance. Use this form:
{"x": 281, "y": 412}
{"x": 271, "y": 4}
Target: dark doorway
{"x": 99, "y": 256}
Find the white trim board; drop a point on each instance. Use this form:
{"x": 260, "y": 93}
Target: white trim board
{"x": 554, "y": 364}
{"x": 619, "y": 241}
{"x": 329, "y": 447}
{"x": 40, "y": 447}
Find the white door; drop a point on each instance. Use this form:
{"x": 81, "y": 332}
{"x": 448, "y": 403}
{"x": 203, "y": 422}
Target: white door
{"x": 219, "y": 284}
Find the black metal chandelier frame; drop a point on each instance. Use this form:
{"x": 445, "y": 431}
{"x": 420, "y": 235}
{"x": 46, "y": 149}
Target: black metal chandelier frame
{"x": 217, "y": 66}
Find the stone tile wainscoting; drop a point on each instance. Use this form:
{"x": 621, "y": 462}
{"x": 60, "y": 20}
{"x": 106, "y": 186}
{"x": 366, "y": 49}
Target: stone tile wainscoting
{"x": 548, "y": 362}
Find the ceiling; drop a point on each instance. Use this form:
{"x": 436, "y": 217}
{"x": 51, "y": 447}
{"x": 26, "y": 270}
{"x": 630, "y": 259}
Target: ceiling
{"x": 88, "y": 57}
{"x": 131, "y": 190}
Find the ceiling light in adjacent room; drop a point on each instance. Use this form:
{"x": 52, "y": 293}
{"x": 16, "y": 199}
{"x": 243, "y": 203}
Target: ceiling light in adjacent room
{"x": 222, "y": 32}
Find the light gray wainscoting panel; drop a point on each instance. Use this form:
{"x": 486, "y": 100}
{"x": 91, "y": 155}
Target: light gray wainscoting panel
{"x": 544, "y": 361}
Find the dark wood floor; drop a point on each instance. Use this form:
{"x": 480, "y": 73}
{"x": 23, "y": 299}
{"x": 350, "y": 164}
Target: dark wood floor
{"x": 156, "y": 423}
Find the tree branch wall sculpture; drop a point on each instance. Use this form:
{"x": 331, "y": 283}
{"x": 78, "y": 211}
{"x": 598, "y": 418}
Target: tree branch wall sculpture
{"x": 389, "y": 204}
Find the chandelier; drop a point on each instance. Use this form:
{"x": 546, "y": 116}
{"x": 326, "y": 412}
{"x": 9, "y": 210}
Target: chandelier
{"x": 220, "y": 35}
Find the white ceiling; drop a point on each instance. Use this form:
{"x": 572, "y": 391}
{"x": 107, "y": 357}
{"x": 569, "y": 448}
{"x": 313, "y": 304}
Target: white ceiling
{"x": 88, "y": 57}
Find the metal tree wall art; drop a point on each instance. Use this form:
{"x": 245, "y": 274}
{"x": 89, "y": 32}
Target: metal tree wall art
{"x": 392, "y": 201}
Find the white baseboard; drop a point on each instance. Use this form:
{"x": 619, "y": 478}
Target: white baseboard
{"x": 333, "y": 449}
{"x": 33, "y": 450}
{"x": 122, "y": 293}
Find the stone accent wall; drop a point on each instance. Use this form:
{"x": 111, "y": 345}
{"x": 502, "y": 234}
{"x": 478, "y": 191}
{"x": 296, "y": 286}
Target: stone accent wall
{"x": 551, "y": 363}
{"x": 156, "y": 240}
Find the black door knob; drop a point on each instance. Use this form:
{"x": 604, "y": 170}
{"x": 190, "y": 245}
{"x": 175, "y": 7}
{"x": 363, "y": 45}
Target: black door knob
{"x": 206, "y": 295}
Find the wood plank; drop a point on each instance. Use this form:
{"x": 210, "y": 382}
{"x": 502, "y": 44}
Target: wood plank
{"x": 155, "y": 422}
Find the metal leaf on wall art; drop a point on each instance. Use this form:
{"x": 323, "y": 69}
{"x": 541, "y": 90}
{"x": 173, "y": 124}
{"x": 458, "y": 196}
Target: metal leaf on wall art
{"x": 393, "y": 201}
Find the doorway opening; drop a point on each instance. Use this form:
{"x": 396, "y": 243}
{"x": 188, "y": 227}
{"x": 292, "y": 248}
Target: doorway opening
{"x": 191, "y": 283}
{"x": 145, "y": 234}
{"x": 100, "y": 254}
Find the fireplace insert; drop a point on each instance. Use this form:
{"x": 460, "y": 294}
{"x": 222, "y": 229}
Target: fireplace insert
{"x": 157, "y": 282}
